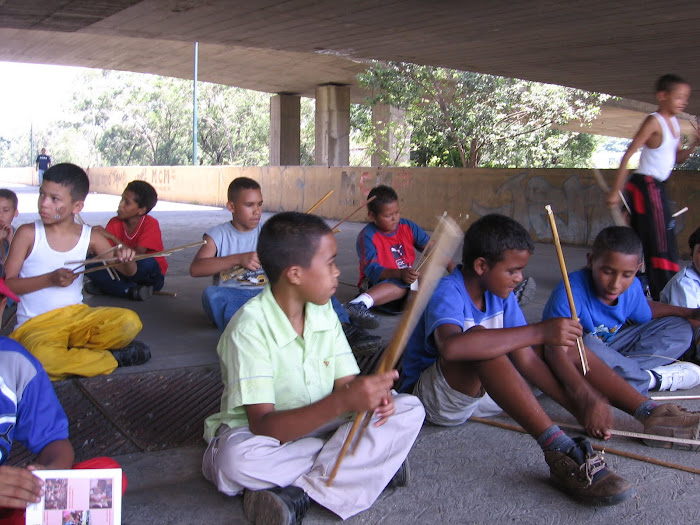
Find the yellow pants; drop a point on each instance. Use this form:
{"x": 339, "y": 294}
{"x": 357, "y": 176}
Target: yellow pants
{"x": 76, "y": 339}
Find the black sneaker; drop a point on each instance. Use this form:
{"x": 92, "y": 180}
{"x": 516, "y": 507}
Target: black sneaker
{"x": 140, "y": 293}
{"x": 361, "y": 316}
{"x": 361, "y": 342}
{"x": 91, "y": 288}
{"x": 582, "y": 474}
{"x": 276, "y": 506}
{"x": 134, "y": 354}
{"x": 402, "y": 476}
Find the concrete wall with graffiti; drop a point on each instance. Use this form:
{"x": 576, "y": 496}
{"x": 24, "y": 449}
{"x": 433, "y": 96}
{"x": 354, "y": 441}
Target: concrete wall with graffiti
{"x": 425, "y": 193}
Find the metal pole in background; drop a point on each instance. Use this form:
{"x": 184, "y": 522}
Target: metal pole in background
{"x": 194, "y": 105}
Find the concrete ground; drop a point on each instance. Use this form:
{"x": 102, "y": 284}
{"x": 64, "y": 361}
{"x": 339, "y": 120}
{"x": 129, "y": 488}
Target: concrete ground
{"x": 469, "y": 474}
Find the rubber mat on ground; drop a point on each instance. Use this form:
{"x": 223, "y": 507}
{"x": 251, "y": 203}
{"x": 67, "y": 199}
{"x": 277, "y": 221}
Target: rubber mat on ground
{"x": 113, "y": 415}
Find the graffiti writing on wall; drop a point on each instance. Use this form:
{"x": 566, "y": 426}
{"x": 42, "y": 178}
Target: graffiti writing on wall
{"x": 579, "y": 209}
{"x": 399, "y": 180}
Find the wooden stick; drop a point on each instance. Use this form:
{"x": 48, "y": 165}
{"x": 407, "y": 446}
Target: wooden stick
{"x": 96, "y": 258}
{"x": 313, "y": 208}
{"x": 444, "y": 247}
{"x": 618, "y": 219}
{"x": 426, "y": 254}
{"x": 680, "y": 212}
{"x": 672, "y": 398}
{"x": 607, "y": 450}
{"x": 168, "y": 294}
{"x": 164, "y": 253}
{"x": 355, "y": 211}
{"x": 638, "y": 435}
{"x": 567, "y": 285}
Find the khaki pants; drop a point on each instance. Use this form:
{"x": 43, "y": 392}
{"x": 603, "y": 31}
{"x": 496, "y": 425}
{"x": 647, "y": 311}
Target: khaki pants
{"x": 239, "y": 459}
{"x": 76, "y": 339}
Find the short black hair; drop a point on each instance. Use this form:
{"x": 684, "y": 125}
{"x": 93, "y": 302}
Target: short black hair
{"x": 621, "y": 239}
{"x": 694, "y": 240}
{"x": 241, "y": 183}
{"x": 384, "y": 194}
{"x": 10, "y": 196}
{"x": 72, "y": 177}
{"x": 289, "y": 239}
{"x": 145, "y": 195}
{"x": 668, "y": 82}
{"x": 491, "y": 236}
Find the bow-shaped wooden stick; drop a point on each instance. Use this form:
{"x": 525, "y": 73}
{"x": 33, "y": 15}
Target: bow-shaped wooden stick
{"x": 447, "y": 236}
{"x": 164, "y": 253}
{"x": 567, "y": 285}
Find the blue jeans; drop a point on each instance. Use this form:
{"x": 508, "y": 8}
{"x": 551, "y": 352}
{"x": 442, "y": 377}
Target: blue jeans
{"x": 220, "y": 303}
{"x": 641, "y": 347}
{"x": 147, "y": 274}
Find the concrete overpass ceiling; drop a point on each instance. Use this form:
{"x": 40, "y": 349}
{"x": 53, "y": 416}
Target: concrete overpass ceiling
{"x": 274, "y": 45}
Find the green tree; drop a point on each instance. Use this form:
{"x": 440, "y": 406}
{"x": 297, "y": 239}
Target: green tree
{"x": 470, "y": 119}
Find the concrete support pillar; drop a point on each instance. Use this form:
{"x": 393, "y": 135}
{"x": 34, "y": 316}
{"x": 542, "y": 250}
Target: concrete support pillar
{"x": 332, "y": 125}
{"x": 285, "y": 122}
{"x": 391, "y": 141}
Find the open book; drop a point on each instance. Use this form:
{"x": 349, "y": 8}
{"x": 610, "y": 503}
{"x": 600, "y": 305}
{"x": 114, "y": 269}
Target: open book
{"x": 78, "y": 497}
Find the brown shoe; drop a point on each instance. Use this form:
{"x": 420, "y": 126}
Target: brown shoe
{"x": 672, "y": 421}
{"x": 582, "y": 474}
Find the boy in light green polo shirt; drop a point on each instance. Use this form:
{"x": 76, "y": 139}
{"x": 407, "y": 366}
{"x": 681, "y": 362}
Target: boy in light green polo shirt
{"x": 290, "y": 381}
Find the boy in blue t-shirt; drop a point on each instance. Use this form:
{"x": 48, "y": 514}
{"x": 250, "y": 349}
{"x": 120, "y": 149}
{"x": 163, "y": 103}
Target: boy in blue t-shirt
{"x": 473, "y": 339}
{"x": 635, "y": 337}
{"x": 386, "y": 248}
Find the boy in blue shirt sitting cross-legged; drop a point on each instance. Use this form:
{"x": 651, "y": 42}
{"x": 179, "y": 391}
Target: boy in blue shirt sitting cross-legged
{"x": 637, "y": 338}
{"x": 473, "y": 346}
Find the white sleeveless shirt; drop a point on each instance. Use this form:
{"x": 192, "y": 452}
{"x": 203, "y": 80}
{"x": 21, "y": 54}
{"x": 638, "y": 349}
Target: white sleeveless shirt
{"x": 658, "y": 162}
{"x": 43, "y": 259}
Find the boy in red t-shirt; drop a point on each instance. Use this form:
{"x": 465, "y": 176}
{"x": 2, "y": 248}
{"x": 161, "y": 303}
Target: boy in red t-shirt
{"x": 141, "y": 232}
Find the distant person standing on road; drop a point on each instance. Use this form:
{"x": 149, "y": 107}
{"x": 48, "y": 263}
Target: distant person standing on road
{"x": 43, "y": 162}
{"x": 660, "y": 137}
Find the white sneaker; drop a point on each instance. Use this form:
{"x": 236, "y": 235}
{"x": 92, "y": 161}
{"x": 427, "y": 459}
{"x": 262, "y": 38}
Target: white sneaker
{"x": 678, "y": 376}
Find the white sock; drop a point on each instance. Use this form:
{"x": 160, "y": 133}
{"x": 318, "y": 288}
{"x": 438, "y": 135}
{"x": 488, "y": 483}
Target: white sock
{"x": 652, "y": 381}
{"x": 364, "y": 298}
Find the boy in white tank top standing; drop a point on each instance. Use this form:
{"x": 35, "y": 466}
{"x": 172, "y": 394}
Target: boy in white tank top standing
{"x": 67, "y": 336}
{"x": 659, "y": 135}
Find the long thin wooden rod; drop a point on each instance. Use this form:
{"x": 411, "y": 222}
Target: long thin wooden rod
{"x": 163, "y": 253}
{"x": 445, "y": 244}
{"x": 618, "y": 219}
{"x": 96, "y": 258}
{"x": 638, "y": 435}
{"x": 673, "y": 398}
{"x": 567, "y": 285}
{"x": 313, "y": 208}
{"x": 607, "y": 450}
{"x": 355, "y": 211}
{"x": 102, "y": 231}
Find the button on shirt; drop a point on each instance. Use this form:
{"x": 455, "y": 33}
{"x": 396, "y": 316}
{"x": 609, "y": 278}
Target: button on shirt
{"x": 264, "y": 360}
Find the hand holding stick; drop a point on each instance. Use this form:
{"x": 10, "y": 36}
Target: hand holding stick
{"x": 567, "y": 285}
{"x": 447, "y": 236}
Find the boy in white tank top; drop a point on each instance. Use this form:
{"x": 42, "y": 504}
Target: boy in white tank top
{"x": 67, "y": 336}
{"x": 659, "y": 135}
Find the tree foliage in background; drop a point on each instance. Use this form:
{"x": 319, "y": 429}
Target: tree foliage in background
{"x": 468, "y": 119}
